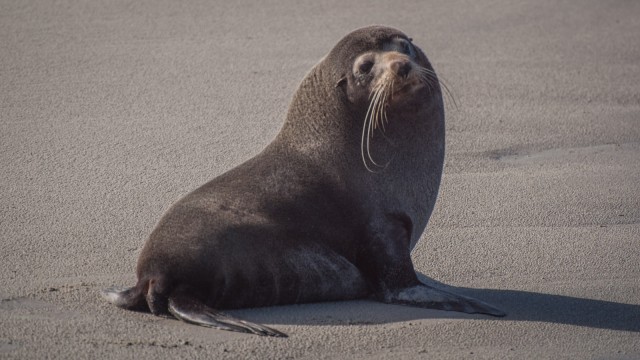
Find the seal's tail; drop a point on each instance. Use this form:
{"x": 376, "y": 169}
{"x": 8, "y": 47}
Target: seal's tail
{"x": 126, "y": 298}
{"x": 183, "y": 307}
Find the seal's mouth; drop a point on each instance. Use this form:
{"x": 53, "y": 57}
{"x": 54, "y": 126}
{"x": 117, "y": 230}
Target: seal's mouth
{"x": 406, "y": 90}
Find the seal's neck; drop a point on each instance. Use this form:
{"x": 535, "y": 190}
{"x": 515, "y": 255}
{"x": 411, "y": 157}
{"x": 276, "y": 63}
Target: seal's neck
{"x": 319, "y": 121}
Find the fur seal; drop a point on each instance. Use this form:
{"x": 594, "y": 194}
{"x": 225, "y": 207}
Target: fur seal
{"x": 330, "y": 210}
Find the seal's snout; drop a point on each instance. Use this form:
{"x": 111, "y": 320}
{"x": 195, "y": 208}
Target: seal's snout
{"x": 401, "y": 67}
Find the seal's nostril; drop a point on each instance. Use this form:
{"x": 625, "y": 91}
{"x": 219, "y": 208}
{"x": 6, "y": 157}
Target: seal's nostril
{"x": 403, "y": 69}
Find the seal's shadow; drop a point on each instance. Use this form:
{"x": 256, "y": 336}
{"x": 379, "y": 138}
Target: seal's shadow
{"x": 519, "y": 306}
{"x": 531, "y": 306}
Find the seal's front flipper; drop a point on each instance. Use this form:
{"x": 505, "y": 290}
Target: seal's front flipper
{"x": 425, "y": 296}
{"x": 195, "y": 312}
{"x": 389, "y": 268}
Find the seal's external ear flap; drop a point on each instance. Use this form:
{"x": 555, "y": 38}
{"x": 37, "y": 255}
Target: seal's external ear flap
{"x": 342, "y": 81}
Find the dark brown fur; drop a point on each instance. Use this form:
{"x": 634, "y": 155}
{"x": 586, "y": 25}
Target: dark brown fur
{"x": 304, "y": 220}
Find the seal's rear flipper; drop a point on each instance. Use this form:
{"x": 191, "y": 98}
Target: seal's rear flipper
{"x": 425, "y": 296}
{"x": 194, "y": 312}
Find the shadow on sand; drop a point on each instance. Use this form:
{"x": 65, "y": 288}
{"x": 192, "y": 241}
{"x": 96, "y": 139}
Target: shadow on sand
{"x": 519, "y": 306}
{"x": 531, "y": 306}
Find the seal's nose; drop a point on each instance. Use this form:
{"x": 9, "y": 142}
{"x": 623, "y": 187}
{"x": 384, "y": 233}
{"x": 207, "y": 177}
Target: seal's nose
{"x": 401, "y": 67}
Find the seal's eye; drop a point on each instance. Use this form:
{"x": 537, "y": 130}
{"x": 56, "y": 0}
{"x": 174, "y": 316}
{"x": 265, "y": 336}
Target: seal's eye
{"x": 365, "y": 67}
{"x": 406, "y": 48}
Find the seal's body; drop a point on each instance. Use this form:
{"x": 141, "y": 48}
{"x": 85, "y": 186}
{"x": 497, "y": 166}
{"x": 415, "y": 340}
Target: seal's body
{"x": 330, "y": 210}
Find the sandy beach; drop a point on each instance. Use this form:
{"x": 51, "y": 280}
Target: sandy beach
{"x": 111, "y": 111}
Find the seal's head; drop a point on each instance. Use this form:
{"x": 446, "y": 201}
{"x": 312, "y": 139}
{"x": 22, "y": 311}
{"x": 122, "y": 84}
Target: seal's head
{"x": 383, "y": 72}
{"x": 387, "y": 67}
{"x": 373, "y": 80}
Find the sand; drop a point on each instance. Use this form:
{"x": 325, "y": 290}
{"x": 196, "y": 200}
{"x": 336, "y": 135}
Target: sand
{"x": 110, "y": 111}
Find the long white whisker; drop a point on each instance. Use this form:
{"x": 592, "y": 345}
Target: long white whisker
{"x": 370, "y": 133}
{"x": 383, "y": 109}
{"x": 376, "y": 108}
{"x": 365, "y": 126}
{"x": 428, "y": 80}
{"x": 366, "y": 130}
{"x": 376, "y": 99}
{"x": 443, "y": 83}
